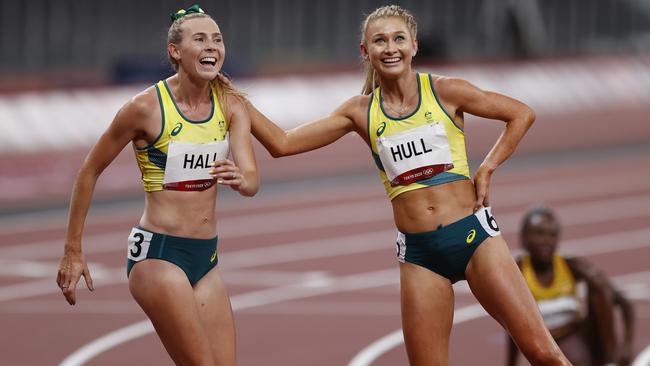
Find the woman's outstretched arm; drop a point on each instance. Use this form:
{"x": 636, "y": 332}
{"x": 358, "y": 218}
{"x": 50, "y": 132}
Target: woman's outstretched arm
{"x": 306, "y": 137}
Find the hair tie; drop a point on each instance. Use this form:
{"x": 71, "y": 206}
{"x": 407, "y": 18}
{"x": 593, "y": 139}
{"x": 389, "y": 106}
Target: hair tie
{"x": 194, "y": 9}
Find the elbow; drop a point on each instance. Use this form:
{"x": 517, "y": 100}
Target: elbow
{"x": 277, "y": 153}
{"x": 280, "y": 148}
{"x": 249, "y": 192}
{"x": 252, "y": 187}
{"x": 529, "y": 116}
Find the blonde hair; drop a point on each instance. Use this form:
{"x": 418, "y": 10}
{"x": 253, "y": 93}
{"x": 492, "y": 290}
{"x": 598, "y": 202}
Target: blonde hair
{"x": 175, "y": 36}
{"x": 388, "y": 11}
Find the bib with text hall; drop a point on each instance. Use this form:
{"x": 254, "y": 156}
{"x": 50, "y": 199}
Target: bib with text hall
{"x": 188, "y": 164}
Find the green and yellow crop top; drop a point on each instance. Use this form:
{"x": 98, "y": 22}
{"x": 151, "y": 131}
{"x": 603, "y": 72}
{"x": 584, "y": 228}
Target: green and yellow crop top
{"x": 425, "y": 148}
{"x": 182, "y": 154}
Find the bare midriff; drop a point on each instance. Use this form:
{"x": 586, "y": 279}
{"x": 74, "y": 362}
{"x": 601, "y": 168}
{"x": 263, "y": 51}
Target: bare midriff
{"x": 425, "y": 209}
{"x": 184, "y": 214}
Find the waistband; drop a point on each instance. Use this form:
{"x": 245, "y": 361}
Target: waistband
{"x": 171, "y": 239}
{"x": 442, "y": 232}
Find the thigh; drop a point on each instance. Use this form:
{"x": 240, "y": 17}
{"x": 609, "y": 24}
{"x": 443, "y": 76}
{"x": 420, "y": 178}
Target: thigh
{"x": 427, "y": 314}
{"x": 497, "y": 283}
{"x": 215, "y": 312}
{"x": 164, "y": 293}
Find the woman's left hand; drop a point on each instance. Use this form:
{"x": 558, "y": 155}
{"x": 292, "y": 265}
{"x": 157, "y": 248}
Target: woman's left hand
{"x": 482, "y": 187}
{"x": 227, "y": 173}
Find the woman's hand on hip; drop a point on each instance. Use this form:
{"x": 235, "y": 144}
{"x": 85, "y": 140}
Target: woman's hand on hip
{"x": 482, "y": 186}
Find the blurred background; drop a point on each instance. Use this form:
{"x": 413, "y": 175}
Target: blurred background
{"x": 67, "y": 66}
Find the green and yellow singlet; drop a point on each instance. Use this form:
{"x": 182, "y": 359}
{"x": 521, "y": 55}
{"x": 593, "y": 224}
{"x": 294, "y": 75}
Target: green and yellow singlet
{"x": 425, "y": 148}
{"x": 559, "y": 302}
{"x": 180, "y": 157}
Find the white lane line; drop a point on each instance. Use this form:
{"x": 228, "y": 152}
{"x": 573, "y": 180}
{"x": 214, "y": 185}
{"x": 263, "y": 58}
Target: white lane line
{"x": 240, "y": 302}
{"x": 312, "y": 249}
{"x": 601, "y": 211}
{"x": 48, "y": 286}
{"x": 345, "y": 245}
{"x": 373, "y": 351}
{"x": 643, "y": 359}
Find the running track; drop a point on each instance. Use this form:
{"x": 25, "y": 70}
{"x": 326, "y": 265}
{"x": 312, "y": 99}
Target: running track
{"x": 310, "y": 266}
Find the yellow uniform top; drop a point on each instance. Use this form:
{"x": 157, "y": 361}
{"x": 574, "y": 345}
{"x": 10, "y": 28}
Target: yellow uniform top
{"x": 428, "y": 111}
{"x": 559, "y": 303}
{"x": 175, "y": 126}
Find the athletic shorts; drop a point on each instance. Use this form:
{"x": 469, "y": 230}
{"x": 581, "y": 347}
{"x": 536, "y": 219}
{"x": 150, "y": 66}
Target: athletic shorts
{"x": 447, "y": 250}
{"x": 196, "y": 257}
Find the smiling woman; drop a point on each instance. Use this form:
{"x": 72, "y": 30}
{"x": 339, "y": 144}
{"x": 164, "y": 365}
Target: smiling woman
{"x": 413, "y": 124}
{"x": 182, "y": 130}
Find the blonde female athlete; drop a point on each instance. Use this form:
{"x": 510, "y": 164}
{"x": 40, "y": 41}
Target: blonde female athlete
{"x": 413, "y": 123}
{"x": 180, "y": 129}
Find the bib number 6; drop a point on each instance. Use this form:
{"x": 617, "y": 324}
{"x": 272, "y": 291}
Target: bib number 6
{"x": 488, "y": 221}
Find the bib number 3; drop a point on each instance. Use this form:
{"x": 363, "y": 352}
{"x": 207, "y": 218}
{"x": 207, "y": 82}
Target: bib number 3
{"x": 488, "y": 221}
{"x": 139, "y": 241}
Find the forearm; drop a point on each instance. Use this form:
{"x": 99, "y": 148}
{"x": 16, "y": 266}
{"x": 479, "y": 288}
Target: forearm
{"x": 79, "y": 204}
{"x": 509, "y": 139}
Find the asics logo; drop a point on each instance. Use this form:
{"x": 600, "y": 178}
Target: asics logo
{"x": 470, "y": 236}
{"x": 381, "y": 129}
{"x": 177, "y": 129}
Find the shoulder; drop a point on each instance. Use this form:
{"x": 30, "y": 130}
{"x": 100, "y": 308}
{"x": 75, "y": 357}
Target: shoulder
{"x": 353, "y": 107}
{"x": 234, "y": 104}
{"x": 142, "y": 106}
{"x": 450, "y": 87}
{"x": 357, "y": 103}
{"x": 583, "y": 269}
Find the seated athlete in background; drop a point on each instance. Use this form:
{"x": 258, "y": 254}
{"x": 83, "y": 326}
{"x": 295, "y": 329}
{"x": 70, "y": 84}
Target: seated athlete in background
{"x": 583, "y": 324}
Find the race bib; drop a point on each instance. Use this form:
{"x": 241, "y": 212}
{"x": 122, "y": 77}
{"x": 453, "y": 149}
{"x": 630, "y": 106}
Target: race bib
{"x": 401, "y": 246}
{"x": 484, "y": 216}
{"x": 139, "y": 241}
{"x": 188, "y": 164}
{"x": 416, "y": 154}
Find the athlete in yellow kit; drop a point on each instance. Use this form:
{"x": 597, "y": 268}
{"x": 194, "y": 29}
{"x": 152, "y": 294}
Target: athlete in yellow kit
{"x": 576, "y": 300}
{"x": 181, "y": 130}
{"x": 413, "y": 124}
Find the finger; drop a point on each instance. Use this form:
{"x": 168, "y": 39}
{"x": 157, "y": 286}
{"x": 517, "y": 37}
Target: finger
{"x": 70, "y": 297}
{"x": 70, "y": 292}
{"x": 229, "y": 175}
{"x": 58, "y": 278}
{"x": 479, "y": 202}
{"x": 220, "y": 162}
{"x": 66, "y": 278}
{"x": 88, "y": 279}
{"x": 230, "y": 180}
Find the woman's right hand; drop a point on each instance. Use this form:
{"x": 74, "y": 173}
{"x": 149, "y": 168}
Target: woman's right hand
{"x": 73, "y": 265}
